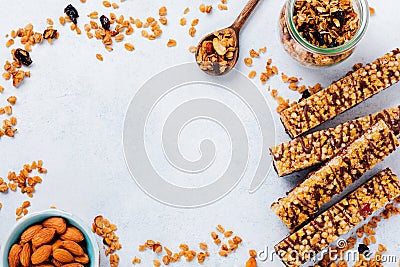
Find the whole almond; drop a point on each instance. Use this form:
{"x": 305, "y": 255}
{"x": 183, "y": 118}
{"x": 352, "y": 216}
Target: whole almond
{"x": 72, "y": 247}
{"x": 41, "y": 254}
{"x": 72, "y": 234}
{"x": 62, "y": 255}
{"x": 56, "y": 263}
{"x": 56, "y": 223}
{"x": 56, "y": 244}
{"x": 13, "y": 255}
{"x": 73, "y": 265}
{"x": 44, "y": 265}
{"x": 42, "y": 237}
{"x": 30, "y": 232}
{"x": 25, "y": 255}
{"x": 84, "y": 259}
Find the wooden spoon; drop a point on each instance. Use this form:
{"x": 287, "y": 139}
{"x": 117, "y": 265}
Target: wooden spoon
{"x": 218, "y": 52}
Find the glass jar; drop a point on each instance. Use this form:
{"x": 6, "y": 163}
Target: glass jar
{"x": 311, "y": 55}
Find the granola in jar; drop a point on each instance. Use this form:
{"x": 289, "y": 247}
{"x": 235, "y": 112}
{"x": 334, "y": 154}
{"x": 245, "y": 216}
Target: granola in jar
{"x": 322, "y": 32}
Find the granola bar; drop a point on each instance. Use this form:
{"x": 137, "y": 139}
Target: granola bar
{"x": 315, "y": 148}
{"x": 347, "y": 166}
{"x": 342, "y": 95}
{"x": 341, "y": 218}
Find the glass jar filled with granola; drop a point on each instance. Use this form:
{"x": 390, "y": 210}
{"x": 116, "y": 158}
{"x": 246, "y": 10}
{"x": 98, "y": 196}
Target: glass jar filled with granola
{"x": 322, "y": 32}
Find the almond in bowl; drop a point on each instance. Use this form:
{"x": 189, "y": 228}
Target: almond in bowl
{"x": 50, "y": 238}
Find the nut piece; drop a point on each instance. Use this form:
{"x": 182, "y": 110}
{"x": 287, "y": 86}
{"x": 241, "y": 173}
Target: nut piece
{"x": 28, "y": 234}
{"x": 203, "y": 246}
{"x": 56, "y": 223}
{"x": 171, "y": 43}
{"x": 251, "y": 262}
{"x": 219, "y": 47}
{"x": 99, "y": 57}
{"x": 248, "y": 61}
{"x": 25, "y": 255}
{"x": 72, "y": 234}
{"x": 62, "y": 255}
{"x": 13, "y": 255}
{"x": 223, "y": 253}
{"x": 12, "y": 100}
{"x": 42, "y": 237}
{"x": 252, "y": 74}
{"x": 253, "y": 253}
{"x": 41, "y": 254}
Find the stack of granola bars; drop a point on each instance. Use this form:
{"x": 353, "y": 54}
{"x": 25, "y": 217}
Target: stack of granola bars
{"x": 345, "y": 153}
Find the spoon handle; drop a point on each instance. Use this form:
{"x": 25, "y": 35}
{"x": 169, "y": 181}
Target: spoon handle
{"x": 244, "y": 15}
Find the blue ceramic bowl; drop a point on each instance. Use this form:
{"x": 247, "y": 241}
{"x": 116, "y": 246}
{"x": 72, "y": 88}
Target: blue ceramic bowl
{"x": 38, "y": 217}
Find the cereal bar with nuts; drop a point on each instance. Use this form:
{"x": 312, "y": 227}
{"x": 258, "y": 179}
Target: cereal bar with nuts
{"x": 349, "y": 164}
{"x": 318, "y": 147}
{"x": 341, "y": 218}
{"x": 342, "y": 95}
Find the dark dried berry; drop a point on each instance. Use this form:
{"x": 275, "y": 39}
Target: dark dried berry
{"x": 339, "y": 15}
{"x": 333, "y": 44}
{"x": 23, "y": 56}
{"x": 363, "y": 249}
{"x": 306, "y": 35}
{"x": 105, "y": 23}
{"x": 72, "y": 13}
{"x": 305, "y": 94}
{"x": 50, "y": 34}
{"x": 209, "y": 48}
{"x": 319, "y": 37}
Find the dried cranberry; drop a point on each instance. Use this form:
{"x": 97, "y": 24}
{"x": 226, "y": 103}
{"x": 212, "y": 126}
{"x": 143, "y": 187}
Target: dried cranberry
{"x": 23, "y": 56}
{"x": 72, "y": 13}
{"x": 209, "y": 48}
{"x": 105, "y": 22}
{"x": 365, "y": 210}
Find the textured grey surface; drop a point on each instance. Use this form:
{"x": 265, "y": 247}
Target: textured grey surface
{"x": 71, "y": 114}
